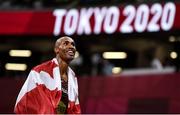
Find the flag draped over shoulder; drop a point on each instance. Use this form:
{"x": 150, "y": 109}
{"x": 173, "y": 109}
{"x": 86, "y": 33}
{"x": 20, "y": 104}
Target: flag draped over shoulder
{"x": 41, "y": 91}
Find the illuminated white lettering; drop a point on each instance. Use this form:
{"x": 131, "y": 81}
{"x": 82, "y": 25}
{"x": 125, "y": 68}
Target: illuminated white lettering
{"x": 156, "y": 11}
{"x": 84, "y": 21}
{"x": 142, "y": 17}
{"x": 58, "y": 13}
{"x": 107, "y": 19}
{"x": 99, "y": 15}
{"x": 130, "y": 13}
{"x": 111, "y": 20}
{"x": 71, "y": 21}
{"x": 167, "y": 21}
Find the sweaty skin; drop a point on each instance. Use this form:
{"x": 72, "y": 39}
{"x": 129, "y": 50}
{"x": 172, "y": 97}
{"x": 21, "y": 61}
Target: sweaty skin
{"x": 65, "y": 51}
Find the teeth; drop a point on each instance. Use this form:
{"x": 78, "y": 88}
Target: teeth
{"x": 70, "y": 51}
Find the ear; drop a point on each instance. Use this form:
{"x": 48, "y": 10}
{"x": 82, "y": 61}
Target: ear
{"x": 56, "y": 50}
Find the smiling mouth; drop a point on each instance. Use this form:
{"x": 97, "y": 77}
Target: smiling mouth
{"x": 71, "y": 53}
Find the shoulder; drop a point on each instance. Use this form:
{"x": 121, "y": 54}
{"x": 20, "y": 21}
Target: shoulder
{"x": 47, "y": 66}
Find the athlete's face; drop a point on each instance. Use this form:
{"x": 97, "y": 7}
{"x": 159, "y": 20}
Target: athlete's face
{"x": 66, "y": 49}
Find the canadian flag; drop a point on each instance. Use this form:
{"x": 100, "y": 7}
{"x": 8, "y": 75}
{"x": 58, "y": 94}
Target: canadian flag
{"x": 41, "y": 92}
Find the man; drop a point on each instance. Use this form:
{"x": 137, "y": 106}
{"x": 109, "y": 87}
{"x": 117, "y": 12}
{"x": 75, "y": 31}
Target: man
{"x": 51, "y": 87}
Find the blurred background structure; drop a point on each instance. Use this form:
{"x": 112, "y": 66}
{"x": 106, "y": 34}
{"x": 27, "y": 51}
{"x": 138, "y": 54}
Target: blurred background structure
{"x": 128, "y": 52}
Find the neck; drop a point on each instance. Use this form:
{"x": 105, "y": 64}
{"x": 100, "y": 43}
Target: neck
{"x": 62, "y": 65}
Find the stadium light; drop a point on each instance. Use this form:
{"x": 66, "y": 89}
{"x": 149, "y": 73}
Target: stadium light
{"x": 173, "y": 55}
{"x": 114, "y": 55}
{"x": 76, "y": 54}
{"x": 172, "y": 39}
{"x": 16, "y": 66}
{"x": 20, "y": 53}
{"x": 116, "y": 70}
